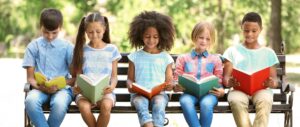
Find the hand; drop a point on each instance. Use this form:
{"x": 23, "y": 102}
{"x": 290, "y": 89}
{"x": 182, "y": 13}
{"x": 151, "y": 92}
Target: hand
{"x": 219, "y": 92}
{"x": 48, "y": 90}
{"x": 52, "y": 89}
{"x": 178, "y": 88}
{"x": 129, "y": 86}
{"x": 108, "y": 90}
{"x": 76, "y": 90}
{"x": 232, "y": 82}
{"x": 169, "y": 87}
{"x": 270, "y": 83}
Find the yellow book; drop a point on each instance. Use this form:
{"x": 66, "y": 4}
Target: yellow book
{"x": 60, "y": 81}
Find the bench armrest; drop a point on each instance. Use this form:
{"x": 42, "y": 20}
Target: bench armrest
{"x": 287, "y": 87}
{"x": 26, "y": 87}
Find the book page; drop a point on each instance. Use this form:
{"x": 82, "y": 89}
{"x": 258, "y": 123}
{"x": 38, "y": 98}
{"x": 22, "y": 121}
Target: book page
{"x": 206, "y": 79}
{"x": 190, "y": 77}
{"x": 86, "y": 78}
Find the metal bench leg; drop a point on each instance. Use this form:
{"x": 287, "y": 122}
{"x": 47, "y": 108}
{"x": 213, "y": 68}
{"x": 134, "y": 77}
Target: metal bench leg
{"x": 166, "y": 122}
{"x": 288, "y": 119}
{"x": 291, "y": 119}
{"x": 27, "y": 122}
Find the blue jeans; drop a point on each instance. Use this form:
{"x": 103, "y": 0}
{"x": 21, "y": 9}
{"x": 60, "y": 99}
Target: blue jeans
{"x": 206, "y": 103}
{"x": 158, "y": 105}
{"x": 59, "y": 103}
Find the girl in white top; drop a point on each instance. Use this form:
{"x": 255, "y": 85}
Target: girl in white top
{"x": 95, "y": 59}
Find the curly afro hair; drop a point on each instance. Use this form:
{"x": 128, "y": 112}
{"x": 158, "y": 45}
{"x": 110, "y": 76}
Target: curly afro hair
{"x": 162, "y": 23}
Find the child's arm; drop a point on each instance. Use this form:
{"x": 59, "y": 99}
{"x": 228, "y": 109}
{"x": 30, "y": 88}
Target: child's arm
{"x": 30, "y": 77}
{"x": 218, "y": 71}
{"x": 72, "y": 80}
{"x": 130, "y": 75}
{"x": 114, "y": 78}
{"x": 272, "y": 80}
{"x": 179, "y": 70}
{"x": 169, "y": 77}
{"x": 228, "y": 80}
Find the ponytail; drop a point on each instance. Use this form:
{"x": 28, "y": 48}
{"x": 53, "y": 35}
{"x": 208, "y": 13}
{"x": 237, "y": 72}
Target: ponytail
{"x": 106, "y": 37}
{"x": 78, "y": 50}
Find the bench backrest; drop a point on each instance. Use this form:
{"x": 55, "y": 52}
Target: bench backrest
{"x": 279, "y": 95}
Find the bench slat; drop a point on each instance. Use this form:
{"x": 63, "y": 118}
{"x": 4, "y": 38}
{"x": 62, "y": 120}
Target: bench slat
{"x": 276, "y": 108}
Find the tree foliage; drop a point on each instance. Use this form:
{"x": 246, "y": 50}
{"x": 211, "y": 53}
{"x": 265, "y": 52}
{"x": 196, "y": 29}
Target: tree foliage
{"x": 20, "y": 20}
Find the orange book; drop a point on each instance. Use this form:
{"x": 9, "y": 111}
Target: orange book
{"x": 250, "y": 82}
{"x": 149, "y": 93}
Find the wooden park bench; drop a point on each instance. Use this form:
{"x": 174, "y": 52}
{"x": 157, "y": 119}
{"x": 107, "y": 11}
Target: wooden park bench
{"x": 283, "y": 96}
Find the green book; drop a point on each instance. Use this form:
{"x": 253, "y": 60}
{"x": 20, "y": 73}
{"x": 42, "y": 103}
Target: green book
{"x": 196, "y": 87}
{"x": 92, "y": 90}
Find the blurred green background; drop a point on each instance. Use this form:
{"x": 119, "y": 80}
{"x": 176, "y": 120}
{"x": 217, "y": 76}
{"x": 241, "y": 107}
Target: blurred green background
{"x": 19, "y": 22}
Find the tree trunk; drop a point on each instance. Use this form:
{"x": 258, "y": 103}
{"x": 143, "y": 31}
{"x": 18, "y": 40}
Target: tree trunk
{"x": 275, "y": 28}
{"x": 220, "y": 28}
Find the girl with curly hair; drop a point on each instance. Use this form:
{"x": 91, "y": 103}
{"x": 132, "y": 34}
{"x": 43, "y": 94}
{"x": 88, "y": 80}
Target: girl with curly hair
{"x": 152, "y": 34}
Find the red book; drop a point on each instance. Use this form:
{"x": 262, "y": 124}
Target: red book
{"x": 149, "y": 93}
{"x": 250, "y": 82}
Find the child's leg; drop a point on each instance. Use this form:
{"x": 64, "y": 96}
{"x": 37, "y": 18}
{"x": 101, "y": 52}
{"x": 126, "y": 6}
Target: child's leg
{"x": 33, "y": 105}
{"x": 187, "y": 103}
{"x": 239, "y": 102}
{"x": 263, "y": 100}
{"x": 85, "y": 106}
{"x": 105, "y": 108}
{"x": 159, "y": 103}
{"x": 207, "y": 104}
{"x": 141, "y": 105}
{"x": 59, "y": 103}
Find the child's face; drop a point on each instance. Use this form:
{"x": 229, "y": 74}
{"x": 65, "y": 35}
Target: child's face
{"x": 50, "y": 35}
{"x": 203, "y": 41}
{"x": 251, "y": 31}
{"x": 151, "y": 38}
{"x": 95, "y": 31}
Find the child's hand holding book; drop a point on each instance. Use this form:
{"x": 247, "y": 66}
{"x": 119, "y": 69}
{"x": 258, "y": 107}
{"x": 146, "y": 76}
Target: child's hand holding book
{"x": 50, "y": 90}
{"x": 108, "y": 90}
{"x": 177, "y": 87}
{"x": 270, "y": 83}
{"x": 76, "y": 90}
{"x": 169, "y": 86}
{"x": 219, "y": 92}
{"x": 129, "y": 86}
{"x": 231, "y": 82}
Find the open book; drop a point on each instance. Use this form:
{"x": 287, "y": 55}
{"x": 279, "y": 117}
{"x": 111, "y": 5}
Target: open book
{"x": 149, "y": 93}
{"x": 92, "y": 90}
{"x": 250, "y": 82}
{"x": 196, "y": 87}
{"x": 59, "y": 81}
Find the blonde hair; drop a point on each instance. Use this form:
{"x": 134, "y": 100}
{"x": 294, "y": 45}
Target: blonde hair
{"x": 200, "y": 27}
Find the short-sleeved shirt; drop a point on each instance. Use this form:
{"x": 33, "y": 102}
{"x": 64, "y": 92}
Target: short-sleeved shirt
{"x": 150, "y": 69}
{"x": 250, "y": 60}
{"x": 52, "y": 59}
{"x": 200, "y": 65}
{"x": 98, "y": 62}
